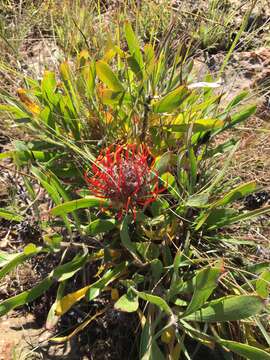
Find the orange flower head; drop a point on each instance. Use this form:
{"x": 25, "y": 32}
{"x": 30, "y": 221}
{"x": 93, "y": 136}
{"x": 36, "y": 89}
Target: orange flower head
{"x": 125, "y": 175}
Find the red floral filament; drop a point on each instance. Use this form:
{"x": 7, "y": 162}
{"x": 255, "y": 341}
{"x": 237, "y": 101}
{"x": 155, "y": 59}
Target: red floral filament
{"x": 123, "y": 175}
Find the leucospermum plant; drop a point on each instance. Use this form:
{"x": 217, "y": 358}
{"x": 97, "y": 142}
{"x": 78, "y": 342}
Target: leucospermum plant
{"x": 123, "y": 147}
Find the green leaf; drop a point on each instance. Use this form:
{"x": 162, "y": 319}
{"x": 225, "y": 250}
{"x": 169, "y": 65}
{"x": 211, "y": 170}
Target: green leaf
{"x": 257, "y": 268}
{"x": 51, "y": 190}
{"x": 100, "y": 226}
{"x": 125, "y": 238}
{"x": 128, "y": 302}
{"x": 163, "y": 162}
{"x": 238, "y": 117}
{"x": 25, "y": 297}
{"x": 230, "y": 308}
{"x": 30, "y": 249}
{"x": 237, "y": 99}
{"x": 72, "y": 205}
{"x": 247, "y": 351}
{"x": 169, "y": 182}
{"x": 147, "y": 250}
{"x": 198, "y": 200}
{"x": 171, "y": 101}
{"x": 197, "y": 125}
{"x": 10, "y": 215}
{"x": 156, "y": 269}
{"x": 5, "y": 258}
{"x": 206, "y": 280}
{"x": 215, "y": 218}
{"x": 110, "y": 97}
{"x": 246, "y": 216}
{"x": 149, "y": 349}
{"x": 17, "y": 259}
{"x": 66, "y": 271}
{"x": 96, "y": 288}
{"x": 242, "y": 115}
{"x": 134, "y": 66}
{"x": 106, "y": 75}
{"x": 237, "y": 193}
{"x": 7, "y": 154}
{"x": 263, "y": 284}
{"x": 48, "y": 87}
{"x": 133, "y": 44}
{"x": 156, "y": 300}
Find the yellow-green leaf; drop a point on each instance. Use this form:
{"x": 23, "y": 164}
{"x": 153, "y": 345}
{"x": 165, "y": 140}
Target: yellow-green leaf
{"x": 107, "y": 76}
{"x": 128, "y": 302}
{"x": 171, "y": 101}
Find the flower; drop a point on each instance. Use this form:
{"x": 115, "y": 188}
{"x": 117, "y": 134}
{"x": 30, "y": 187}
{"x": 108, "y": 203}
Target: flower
{"x": 125, "y": 175}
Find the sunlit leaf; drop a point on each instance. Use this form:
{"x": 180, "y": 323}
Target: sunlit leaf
{"x": 86, "y": 202}
{"x": 10, "y": 215}
{"x": 263, "y": 284}
{"x": 127, "y": 302}
{"x": 230, "y": 308}
{"x": 106, "y": 75}
{"x": 171, "y": 101}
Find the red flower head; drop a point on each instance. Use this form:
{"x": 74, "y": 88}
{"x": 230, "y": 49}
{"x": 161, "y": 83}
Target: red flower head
{"x": 124, "y": 174}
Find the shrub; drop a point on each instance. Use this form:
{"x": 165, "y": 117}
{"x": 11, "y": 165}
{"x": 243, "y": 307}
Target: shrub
{"x": 124, "y": 148}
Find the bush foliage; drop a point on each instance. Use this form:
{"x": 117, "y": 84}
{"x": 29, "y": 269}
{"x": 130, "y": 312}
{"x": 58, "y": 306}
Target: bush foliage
{"x": 151, "y": 222}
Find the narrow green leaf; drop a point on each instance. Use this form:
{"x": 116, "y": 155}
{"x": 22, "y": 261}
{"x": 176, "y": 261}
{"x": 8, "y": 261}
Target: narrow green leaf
{"x": 242, "y": 115}
{"x": 7, "y": 154}
{"x": 163, "y": 162}
{"x": 237, "y": 99}
{"x": 134, "y": 66}
{"x": 30, "y": 249}
{"x": 86, "y": 202}
{"x": 48, "y": 87}
{"x": 66, "y": 271}
{"x": 133, "y": 44}
{"x": 6, "y": 257}
{"x": 125, "y": 238}
{"x": 230, "y": 308}
{"x": 149, "y": 349}
{"x": 10, "y": 215}
{"x": 25, "y": 297}
{"x": 215, "y": 218}
{"x": 235, "y": 194}
{"x": 169, "y": 182}
{"x": 197, "y": 125}
{"x": 17, "y": 259}
{"x": 247, "y": 351}
{"x": 246, "y": 216}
